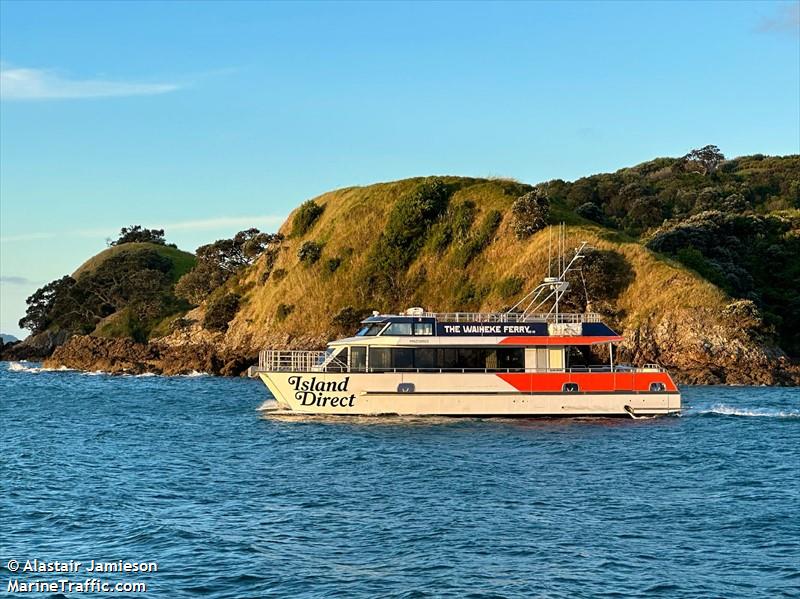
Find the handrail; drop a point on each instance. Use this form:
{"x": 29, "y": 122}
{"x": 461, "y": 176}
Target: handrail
{"x": 563, "y": 317}
{"x": 314, "y": 361}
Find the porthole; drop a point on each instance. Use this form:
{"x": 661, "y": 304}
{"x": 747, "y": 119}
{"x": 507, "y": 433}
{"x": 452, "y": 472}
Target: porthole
{"x": 570, "y": 388}
{"x": 658, "y": 387}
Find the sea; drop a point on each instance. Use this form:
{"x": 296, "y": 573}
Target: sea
{"x": 185, "y": 487}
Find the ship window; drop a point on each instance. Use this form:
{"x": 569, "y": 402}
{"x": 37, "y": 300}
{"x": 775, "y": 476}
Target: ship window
{"x": 426, "y": 358}
{"x": 403, "y": 358}
{"x": 338, "y": 363}
{"x": 511, "y": 358}
{"x": 374, "y": 329}
{"x": 358, "y": 358}
{"x": 380, "y": 358}
{"x": 570, "y": 387}
{"x": 658, "y": 387}
{"x": 399, "y": 328}
{"x": 423, "y": 328}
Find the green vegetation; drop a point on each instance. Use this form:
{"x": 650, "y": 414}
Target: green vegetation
{"x": 123, "y": 291}
{"x": 331, "y": 265}
{"x": 531, "y": 213}
{"x": 475, "y": 244}
{"x": 510, "y": 286}
{"x": 310, "y": 252}
{"x": 279, "y": 274}
{"x": 138, "y": 234}
{"x": 283, "y": 311}
{"x": 219, "y": 261}
{"x": 453, "y": 226}
{"x": 305, "y": 217}
{"x": 602, "y": 276}
{"x": 404, "y": 235}
{"x": 348, "y": 319}
{"x": 220, "y": 311}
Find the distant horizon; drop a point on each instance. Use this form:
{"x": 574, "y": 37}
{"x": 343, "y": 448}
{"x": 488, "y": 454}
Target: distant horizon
{"x": 229, "y": 115}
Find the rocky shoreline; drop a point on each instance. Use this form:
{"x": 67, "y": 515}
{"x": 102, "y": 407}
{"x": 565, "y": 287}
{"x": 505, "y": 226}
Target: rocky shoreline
{"x": 708, "y": 359}
{"x": 124, "y": 356}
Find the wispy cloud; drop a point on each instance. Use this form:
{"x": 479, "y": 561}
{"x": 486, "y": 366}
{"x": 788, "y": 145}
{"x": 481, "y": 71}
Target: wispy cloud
{"x": 785, "y": 21}
{"x": 223, "y": 223}
{"x": 5, "y": 280}
{"x": 41, "y": 84}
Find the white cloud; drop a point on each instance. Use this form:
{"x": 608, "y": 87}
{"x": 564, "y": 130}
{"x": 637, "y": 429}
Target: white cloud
{"x": 40, "y": 84}
{"x": 207, "y": 224}
{"x": 223, "y": 223}
{"x": 15, "y": 280}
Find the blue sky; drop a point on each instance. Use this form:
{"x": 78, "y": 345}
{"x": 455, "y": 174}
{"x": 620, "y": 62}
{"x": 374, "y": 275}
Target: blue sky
{"x": 205, "y": 118}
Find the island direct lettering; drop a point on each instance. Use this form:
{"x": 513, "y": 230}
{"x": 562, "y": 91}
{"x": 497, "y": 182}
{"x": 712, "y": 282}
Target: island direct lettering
{"x": 311, "y": 392}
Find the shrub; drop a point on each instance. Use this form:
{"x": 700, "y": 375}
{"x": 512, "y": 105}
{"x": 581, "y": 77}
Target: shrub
{"x": 510, "y": 286}
{"x": 530, "y": 213}
{"x": 591, "y": 211}
{"x": 282, "y": 311}
{"x": 220, "y": 312}
{"x": 467, "y": 252}
{"x": 402, "y": 238}
{"x": 331, "y": 265}
{"x": 310, "y": 252}
{"x": 601, "y": 276}
{"x": 305, "y": 217}
{"x": 348, "y": 318}
{"x": 453, "y": 226}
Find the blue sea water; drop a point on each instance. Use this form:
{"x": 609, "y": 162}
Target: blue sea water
{"x": 185, "y": 472}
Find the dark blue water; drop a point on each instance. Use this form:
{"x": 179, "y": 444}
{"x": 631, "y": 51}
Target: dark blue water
{"x": 186, "y": 473}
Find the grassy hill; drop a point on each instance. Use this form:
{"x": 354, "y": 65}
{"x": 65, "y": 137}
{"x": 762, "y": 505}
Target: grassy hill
{"x": 693, "y": 260}
{"x": 182, "y": 262}
{"x": 126, "y": 290}
{"x": 466, "y": 257}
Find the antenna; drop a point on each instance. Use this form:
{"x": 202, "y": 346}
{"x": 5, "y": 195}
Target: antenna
{"x": 552, "y": 289}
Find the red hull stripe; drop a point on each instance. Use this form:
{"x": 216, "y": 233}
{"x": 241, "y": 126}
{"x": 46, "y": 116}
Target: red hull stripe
{"x": 587, "y": 381}
{"x": 547, "y": 340}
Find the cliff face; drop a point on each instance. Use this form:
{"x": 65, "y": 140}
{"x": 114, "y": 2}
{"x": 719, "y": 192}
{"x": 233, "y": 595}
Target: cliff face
{"x": 669, "y": 314}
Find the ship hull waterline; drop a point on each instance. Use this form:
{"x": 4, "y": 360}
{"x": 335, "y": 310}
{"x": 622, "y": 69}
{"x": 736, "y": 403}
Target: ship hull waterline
{"x": 433, "y": 394}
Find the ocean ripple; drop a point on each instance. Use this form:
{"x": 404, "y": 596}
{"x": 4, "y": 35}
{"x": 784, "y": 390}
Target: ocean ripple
{"x": 233, "y": 502}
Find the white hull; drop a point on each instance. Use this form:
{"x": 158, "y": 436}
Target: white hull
{"x": 482, "y": 394}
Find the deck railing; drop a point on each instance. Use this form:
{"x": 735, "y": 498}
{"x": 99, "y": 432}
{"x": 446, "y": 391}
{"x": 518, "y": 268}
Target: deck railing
{"x": 271, "y": 360}
{"x": 562, "y": 317}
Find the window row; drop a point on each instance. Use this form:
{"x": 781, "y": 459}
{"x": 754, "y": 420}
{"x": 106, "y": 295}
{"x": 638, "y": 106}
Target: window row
{"x": 428, "y": 358}
{"x": 402, "y": 329}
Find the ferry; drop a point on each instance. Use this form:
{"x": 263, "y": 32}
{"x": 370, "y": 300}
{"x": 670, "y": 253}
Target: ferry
{"x": 523, "y": 362}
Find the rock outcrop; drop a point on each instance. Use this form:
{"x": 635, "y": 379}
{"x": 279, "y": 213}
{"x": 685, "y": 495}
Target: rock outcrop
{"x": 124, "y": 356}
{"x": 35, "y": 347}
{"x": 698, "y": 349}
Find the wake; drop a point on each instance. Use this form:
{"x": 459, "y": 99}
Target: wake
{"x": 723, "y": 410}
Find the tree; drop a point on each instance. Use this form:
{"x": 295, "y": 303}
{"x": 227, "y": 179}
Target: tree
{"x": 530, "y": 213}
{"x": 705, "y": 160}
{"x": 219, "y": 261}
{"x": 220, "y": 312}
{"x": 42, "y": 304}
{"x": 138, "y": 234}
{"x": 305, "y": 217}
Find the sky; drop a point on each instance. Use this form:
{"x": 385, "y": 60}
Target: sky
{"x": 205, "y": 118}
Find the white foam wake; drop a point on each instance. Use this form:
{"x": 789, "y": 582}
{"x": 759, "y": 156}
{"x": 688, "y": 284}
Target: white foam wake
{"x": 28, "y": 367}
{"x": 724, "y": 410}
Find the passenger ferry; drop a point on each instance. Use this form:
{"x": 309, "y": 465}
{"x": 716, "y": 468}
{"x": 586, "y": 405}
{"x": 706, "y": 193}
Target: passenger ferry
{"x": 523, "y": 362}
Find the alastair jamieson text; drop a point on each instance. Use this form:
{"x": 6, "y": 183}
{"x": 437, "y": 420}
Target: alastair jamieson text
{"x": 92, "y": 566}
